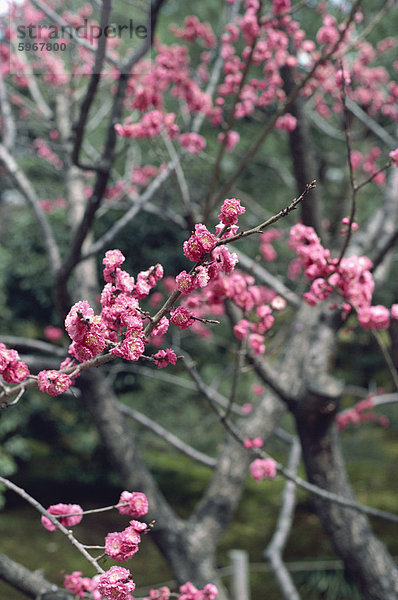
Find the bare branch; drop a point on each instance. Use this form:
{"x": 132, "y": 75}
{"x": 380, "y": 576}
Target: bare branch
{"x": 25, "y": 187}
{"x": 79, "y": 127}
{"x": 284, "y": 524}
{"x": 21, "y": 492}
{"x": 31, "y": 583}
{"x": 172, "y": 439}
{"x": 370, "y": 123}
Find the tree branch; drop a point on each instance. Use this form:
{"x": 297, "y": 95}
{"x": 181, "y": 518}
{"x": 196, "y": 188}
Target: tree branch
{"x": 274, "y": 550}
{"x": 30, "y": 583}
{"x": 172, "y": 439}
{"x": 28, "y": 192}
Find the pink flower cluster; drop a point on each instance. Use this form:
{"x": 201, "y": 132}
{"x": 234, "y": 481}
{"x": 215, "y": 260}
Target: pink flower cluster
{"x": 359, "y": 414}
{"x": 192, "y": 142}
{"x": 53, "y": 382}
{"x": 394, "y": 157}
{"x": 116, "y": 584}
{"x": 374, "y": 317}
{"x": 72, "y": 514}
{"x": 134, "y": 504}
{"x": 152, "y": 124}
{"x": 44, "y": 151}
{"x": 351, "y": 278}
{"x": 201, "y": 242}
{"x": 80, "y": 586}
{"x": 189, "y": 592}
{"x": 230, "y": 211}
{"x": 120, "y": 324}
{"x": 162, "y": 358}
{"x": 122, "y": 545}
{"x": 259, "y": 328}
{"x": 12, "y": 368}
{"x": 266, "y": 239}
{"x": 286, "y": 123}
{"x": 253, "y": 443}
{"x": 195, "y": 30}
{"x": 263, "y": 468}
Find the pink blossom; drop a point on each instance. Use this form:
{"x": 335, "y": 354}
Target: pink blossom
{"x": 394, "y": 311}
{"x": 192, "y": 142}
{"x": 226, "y": 261}
{"x": 230, "y": 210}
{"x": 75, "y": 322}
{"x": 374, "y": 317}
{"x": 72, "y": 515}
{"x": 280, "y": 6}
{"x": 394, "y": 157}
{"x": 116, "y": 549}
{"x": 202, "y": 277}
{"x": 15, "y": 372}
{"x": 257, "y": 389}
{"x": 256, "y": 342}
{"x": 162, "y": 593}
{"x": 247, "y": 408}
{"x": 263, "y": 468}
{"x": 123, "y": 281}
{"x": 205, "y": 239}
{"x": 164, "y": 358}
{"x": 242, "y": 328}
{"x": 132, "y": 346}
{"x": 341, "y": 76}
{"x": 161, "y": 327}
{"x": 116, "y": 584}
{"x": 137, "y": 504}
{"x": 53, "y": 382}
{"x": 278, "y": 303}
{"x": 185, "y": 282}
{"x": 287, "y": 122}
{"x": 193, "y": 249}
{"x": 181, "y": 317}
{"x": 79, "y": 585}
{"x": 231, "y": 139}
{"x": 113, "y": 259}
{"x": 210, "y": 592}
{"x": 53, "y": 334}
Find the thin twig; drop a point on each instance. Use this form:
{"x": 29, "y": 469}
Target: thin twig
{"x": 324, "y": 57}
{"x": 298, "y": 481}
{"x": 21, "y": 492}
{"x": 386, "y": 355}
{"x": 25, "y": 187}
{"x": 172, "y": 439}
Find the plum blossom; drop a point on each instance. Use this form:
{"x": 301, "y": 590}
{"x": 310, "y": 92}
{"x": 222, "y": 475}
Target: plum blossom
{"x": 263, "y": 468}
{"x": 181, "y": 317}
{"x": 53, "y": 382}
{"x": 230, "y": 210}
{"x": 79, "y": 586}
{"x": 287, "y": 122}
{"x": 72, "y": 515}
{"x": 164, "y": 358}
{"x": 394, "y": 157}
{"x": 192, "y": 142}
{"x": 116, "y": 584}
{"x": 12, "y": 369}
{"x": 374, "y": 317}
{"x": 134, "y": 504}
